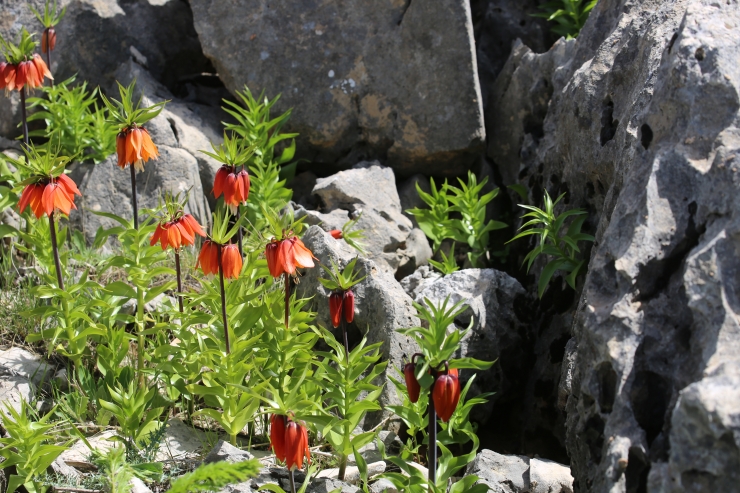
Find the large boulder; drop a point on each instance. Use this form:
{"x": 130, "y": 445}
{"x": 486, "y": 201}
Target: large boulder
{"x": 381, "y": 307}
{"x": 366, "y": 78}
{"x": 519, "y": 474}
{"x": 641, "y": 130}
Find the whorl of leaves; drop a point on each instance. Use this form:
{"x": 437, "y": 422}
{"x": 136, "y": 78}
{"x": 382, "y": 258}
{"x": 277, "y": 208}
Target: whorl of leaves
{"x": 213, "y": 477}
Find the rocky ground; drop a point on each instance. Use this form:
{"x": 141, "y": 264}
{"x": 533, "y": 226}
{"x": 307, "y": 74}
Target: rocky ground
{"x": 631, "y": 379}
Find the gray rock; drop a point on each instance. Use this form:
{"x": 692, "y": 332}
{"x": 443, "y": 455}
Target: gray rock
{"x": 225, "y": 451}
{"x": 495, "y": 334}
{"x": 61, "y": 468}
{"x": 10, "y": 115}
{"x": 138, "y": 486}
{"x": 416, "y": 282}
{"x": 409, "y": 196}
{"x": 13, "y": 390}
{"x": 381, "y": 306}
{"x": 20, "y": 362}
{"x": 520, "y": 474}
{"x": 325, "y": 485}
{"x": 364, "y": 78}
{"x": 641, "y": 131}
{"x": 181, "y": 441}
{"x": 389, "y": 239}
{"x": 565, "y": 387}
{"x": 383, "y": 486}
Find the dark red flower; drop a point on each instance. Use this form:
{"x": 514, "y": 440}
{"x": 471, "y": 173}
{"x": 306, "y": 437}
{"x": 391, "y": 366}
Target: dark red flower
{"x": 208, "y": 258}
{"x": 412, "y": 384}
{"x": 48, "y": 39}
{"x": 336, "y": 234}
{"x": 277, "y": 436}
{"x": 335, "y": 308}
{"x": 446, "y": 394}
{"x": 296, "y": 445}
{"x": 348, "y": 306}
{"x": 232, "y": 184}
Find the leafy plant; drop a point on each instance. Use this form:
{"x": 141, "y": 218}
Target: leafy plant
{"x": 471, "y": 228}
{"x": 29, "y": 447}
{"x": 448, "y": 264}
{"x": 345, "y": 378}
{"x": 562, "y": 246}
{"x": 215, "y": 476}
{"x": 117, "y": 472}
{"x": 73, "y": 119}
{"x": 354, "y": 235}
{"x": 569, "y": 16}
{"x": 132, "y": 407}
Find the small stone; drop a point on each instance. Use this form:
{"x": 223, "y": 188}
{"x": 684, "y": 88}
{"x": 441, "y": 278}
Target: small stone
{"x": 225, "y": 451}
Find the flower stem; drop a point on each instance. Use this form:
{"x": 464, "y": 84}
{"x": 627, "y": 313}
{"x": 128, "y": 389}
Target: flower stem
{"x": 134, "y": 202}
{"x": 55, "y": 250}
{"x": 48, "y": 62}
{"x": 344, "y": 333}
{"x": 140, "y": 336}
{"x": 239, "y": 230}
{"x": 292, "y": 482}
{"x": 23, "y": 115}
{"x": 179, "y": 279}
{"x": 287, "y": 299}
{"x": 432, "y": 446}
{"x": 223, "y": 300}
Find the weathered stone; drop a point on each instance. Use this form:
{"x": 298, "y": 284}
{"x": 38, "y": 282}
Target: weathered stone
{"x": 383, "y": 486}
{"x": 225, "y": 451}
{"x": 381, "y": 306}
{"x": 61, "y": 468}
{"x": 138, "y": 486}
{"x": 180, "y": 441}
{"x": 496, "y": 332}
{"x": 364, "y": 78}
{"x": 20, "y": 362}
{"x": 641, "y": 131}
{"x": 520, "y": 474}
{"x": 326, "y": 485}
{"x": 78, "y": 454}
{"x": 416, "y": 282}
{"x": 13, "y": 390}
{"x": 352, "y": 473}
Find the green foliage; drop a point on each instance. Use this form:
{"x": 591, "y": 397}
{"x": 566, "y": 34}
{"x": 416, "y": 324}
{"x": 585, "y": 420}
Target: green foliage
{"x": 345, "y": 378}
{"x": 562, "y": 246}
{"x": 214, "y": 477}
{"x": 132, "y": 407}
{"x": 569, "y": 16}
{"x": 448, "y": 264}
{"x": 341, "y": 280}
{"x": 28, "y": 447}
{"x": 117, "y": 472}
{"x": 74, "y": 121}
{"x": 20, "y": 52}
{"x": 125, "y": 112}
{"x": 50, "y": 17}
{"x": 470, "y": 228}
{"x": 354, "y": 235}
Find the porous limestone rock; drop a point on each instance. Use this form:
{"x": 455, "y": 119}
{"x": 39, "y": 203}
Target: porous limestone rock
{"x": 520, "y": 474}
{"x": 364, "y": 78}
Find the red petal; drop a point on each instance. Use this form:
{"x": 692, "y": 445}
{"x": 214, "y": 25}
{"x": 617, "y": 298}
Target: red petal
{"x": 335, "y": 309}
{"x": 277, "y": 436}
{"x": 186, "y": 234}
{"x": 302, "y": 256}
{"x": 348, "y": 306}
{"x": 173, "y": 236}
{"x": 412, "y": 384}
{"x": 157, "y": 234}
{"x": 231, "y": 261}
{"x": 194, "y": 226}
{"x": 271, "y": 253}
{"x": 220, "y": 181}
{"x": 69, "y": 185}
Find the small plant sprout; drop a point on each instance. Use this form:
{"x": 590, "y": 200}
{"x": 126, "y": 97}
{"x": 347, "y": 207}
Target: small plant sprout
{"x": 562, "y": 246}
{"x": 22, "y": 69}
{"x": 134, "y": 146}
{"x": 433, "y": 370}
{"x": 219, "y": 256}
{"x": 352, "y": 235}
{"x": 175, "y": 229}
{"x": 342, "y": 298}
{"x": 569, "y": 15}
{"x": 232, "y": 182}
{"x": 49, "y": 19}
{"x": 448, "y": 264}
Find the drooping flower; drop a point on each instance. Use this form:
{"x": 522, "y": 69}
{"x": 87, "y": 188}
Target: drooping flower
{"x": 335, "y": 308}
{"x": 28, "y": 73}
{"x": 232, "y": 184}
{"x": 47, "y": 196}
{"x": 348, "y": 306}
{"x": 208, "y": 258}
{"x": 412, "y": 384}
{"x": 277, "y": 436}
{"x": 231, "y": 261}
{"x": 446, "y": 394}
{"x": 134, "y": 146}
{"x": 286, "y": 255}
{"x": 336, "y": 234}
{"x": 177, "y": 233}
{"x": 296, "y": 445}
{"x": 48, "y": 39}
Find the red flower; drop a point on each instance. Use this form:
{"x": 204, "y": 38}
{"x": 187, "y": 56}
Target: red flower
{"x": 231, "y": 261}
{"x": 233, "y": 185}
{"x": 336, "y": 234}
{"x": 348, "y": 306}
{"x": 177, "y": 233}
{"x": 412, "y": 384}
{"x": 277, "y": 436}
{"x": 208, "y": 258}
{"x": 45, "y": 198}
{"x": 29, "y": 73}
{"x": 446, "y": 394}
{"x": 48, "y": 39}
{"x": 296, "y": 445}
{"x": 286, "y": 255}
{"x": 135, "y": 146}
{"x": 335, "y": 308}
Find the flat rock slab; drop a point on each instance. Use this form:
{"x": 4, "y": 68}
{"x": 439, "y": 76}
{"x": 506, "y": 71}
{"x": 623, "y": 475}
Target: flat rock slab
{"x": 224, "y": 451}
{"x": 181, "y": 441}
{"x": 78, "y": 455}
{"x": 18, "y": 361}
{"x": 395, "y": 79}
{"x": 13, "y": 390}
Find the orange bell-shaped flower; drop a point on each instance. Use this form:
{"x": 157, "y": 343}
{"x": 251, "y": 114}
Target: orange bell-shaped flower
{"x": 208, "y": 258}
{"x": 446, "y": 394}
{"x": 335, "y": 309}
{"x": 296, "y": 445}
{"x": 412, "y": 384}
{"x": 177, "y": 233}
{"x": 134, "y": 146}
{"x": 277, "y": 436}
{"x": 45, "y": 197}
{"x": 348, "y": 306}
{"x": 231, "y": 261}
{"x": 48, "y": 39}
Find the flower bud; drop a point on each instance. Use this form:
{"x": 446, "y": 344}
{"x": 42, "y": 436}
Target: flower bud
{"x": 348, "y": 306}
{"x": 335, "y": 309}
{"x": 412, "y": 384}
{"x": 48, "y": 39}
{"x": 446, "y": 394}
{"x": 336, "y": 234}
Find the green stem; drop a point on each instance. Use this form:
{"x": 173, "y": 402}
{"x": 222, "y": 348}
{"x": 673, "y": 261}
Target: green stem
{"x": 223, "y": 301}
{"x": 140, "y": 328}
{"x": 23, "y": 115}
